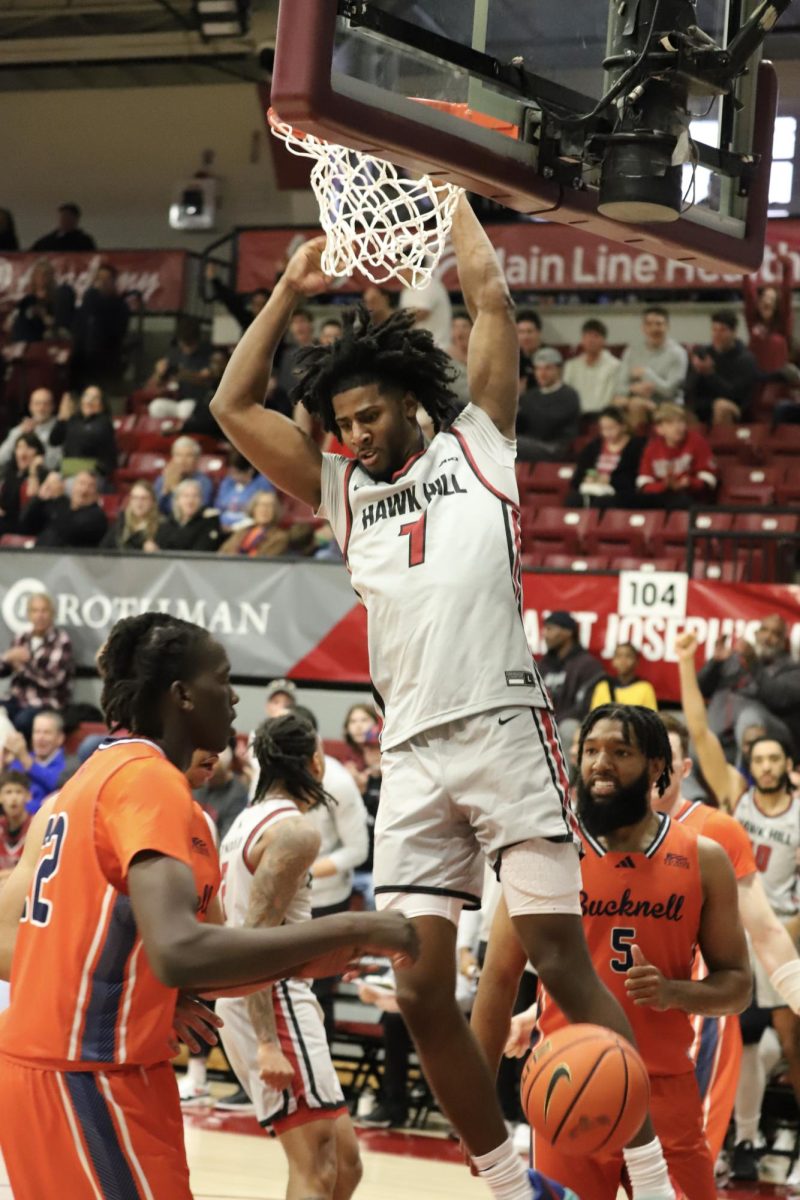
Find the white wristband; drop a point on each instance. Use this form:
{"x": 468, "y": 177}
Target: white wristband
{"x": 786, "y": 981}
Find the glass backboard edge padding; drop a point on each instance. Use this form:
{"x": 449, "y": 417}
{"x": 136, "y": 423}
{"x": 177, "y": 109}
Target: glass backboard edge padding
{"x": 303, "y": 96}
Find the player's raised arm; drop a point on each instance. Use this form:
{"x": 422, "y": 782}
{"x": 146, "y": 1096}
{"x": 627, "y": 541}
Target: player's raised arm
{"x": 493, "y": 356}
{"x": 272, "y": 443}
{"x": 720, "y": 776}
{"x": 728, "y": 986}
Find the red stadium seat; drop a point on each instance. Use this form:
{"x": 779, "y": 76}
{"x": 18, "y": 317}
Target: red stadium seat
{"x": 728, "y": 572}
{"x": 214, "y": 465}
{"x": 85, "y": 729}
{"x": 531, "y": 560}
{"x": 142, "y": 465}
{"x": 337, "y": 749}
{"x": 749, "y": 485}
{"x": 745, "y": 443}
{"x": 554, "y": 478}
{"x": 125, "y": 433}
{"x": 569, "y": 562}
{"x": 785, "y": 442}
{"x": 110, "y": 502}
{"x": 664, "y": 562}
{"x": 19, "y": 541}
{"x": 787, "y": 495}
{"x": 766, "y": 559}
{"x": 563, "y": 529}
{"x": 621, "y": 532}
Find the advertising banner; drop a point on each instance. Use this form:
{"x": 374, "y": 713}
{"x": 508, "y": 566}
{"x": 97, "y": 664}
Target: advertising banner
{"x": 157, "y": 274}
{"x": 538, "y": 257}
{"x": 302, "y": 619}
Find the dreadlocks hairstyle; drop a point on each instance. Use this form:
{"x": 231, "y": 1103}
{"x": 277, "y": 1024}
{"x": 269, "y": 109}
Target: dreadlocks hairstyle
{"x": 283, "y": 747}
{"x": 139, "y": 663}
{"x": 394, "y": 354}
{"x": 641, "y": 727}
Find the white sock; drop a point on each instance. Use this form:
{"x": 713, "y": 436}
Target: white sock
{"x": 786, "y": 981}
{"x": 769, "y": 1050}
{"x": 502, "y": 1169}
{"x": 647, "y": 1171}
{"x": 196, "y": 1072}
{"x": 749, "y": 1095}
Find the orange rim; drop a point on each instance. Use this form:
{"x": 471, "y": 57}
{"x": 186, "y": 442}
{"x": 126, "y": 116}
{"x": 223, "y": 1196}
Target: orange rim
{"x": 465, "y": 113}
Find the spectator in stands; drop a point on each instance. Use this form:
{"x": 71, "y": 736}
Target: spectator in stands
{"x": 185, "y": 366}
{"x": 330, "y": 331}
{"x": 748, "y": 684}
{"x": 605, "y": 475}
{"x": 15, "y": 794}
{"x": 26, "y": 469}
{"x": 300, "y": 334}
{"x": 569, "y": 672}
{"x": 67, "y": 518}
{"x": 358, "y": 721}
{"x": 624, "y": 686}
{"x": 529, "y": 337}
{"x": 41, "y": 666}
{"x": 677, "y": 468}
{"x": 722, "y": 380}
{"x": 237, "y": 488}
{"x": 86, "y": 434}
{"x": 279, "y": 698}
{"x": 99, "y": 331}
{"x": 200, "y": 419}
{"x": 222, "y": 796}
{"x": 68, "y": 236}
{"x": 378, "y": 303}
{"x": 594, "y": 371}
{"x": 260, "y": 535}
{"x": 8, "y": 231}
{"x": 44, "y": 763}
{"x": 243, "y": 308}
{"x": 190, "y": 526}
{"x": 549, "y": 414}
{"x": 47, "y": 308}
{"x": 652, "y": 372}
{"x": 433, "y": 309}
{"x": 40, "y": 421}
{"x": 461, "y": 332}
{"x": 138, "y": 522}
{"x": 769, "y": 317}
{"x": 183, "y": 464}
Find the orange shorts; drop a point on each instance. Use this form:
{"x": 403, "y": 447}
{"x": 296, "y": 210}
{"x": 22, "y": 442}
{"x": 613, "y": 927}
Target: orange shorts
{"x": 718, "y": 1062}
{"x": 677, "y": 1114}
{"x": 92, "y": 1135}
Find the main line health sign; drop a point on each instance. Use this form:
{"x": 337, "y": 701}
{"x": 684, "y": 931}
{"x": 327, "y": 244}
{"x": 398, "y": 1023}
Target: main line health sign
{"x": 537, "y": 256}
{"x": 302, "y": 619}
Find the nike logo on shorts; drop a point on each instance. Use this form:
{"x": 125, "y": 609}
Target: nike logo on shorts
{"x": 505, "y": 720}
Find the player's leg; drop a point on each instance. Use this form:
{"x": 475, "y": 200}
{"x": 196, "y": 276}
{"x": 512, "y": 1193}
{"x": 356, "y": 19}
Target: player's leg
{"x": 589, "y": 1178}
{"x": 787, "y": 1026}
{"x": 311, "y": 1153}
{"x": 717, "y": 1069}
{"x": 349, "y": 1167}
{"x": 677, "y": 1113}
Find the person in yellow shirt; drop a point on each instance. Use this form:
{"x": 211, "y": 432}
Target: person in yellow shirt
{"x": 625, "y": 688}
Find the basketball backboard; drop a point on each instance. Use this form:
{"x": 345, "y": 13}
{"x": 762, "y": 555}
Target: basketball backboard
{"x": 355, "y": 71}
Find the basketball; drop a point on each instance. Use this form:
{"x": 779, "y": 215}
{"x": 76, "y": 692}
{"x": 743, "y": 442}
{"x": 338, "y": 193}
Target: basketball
{"x": 585, "y": 1089}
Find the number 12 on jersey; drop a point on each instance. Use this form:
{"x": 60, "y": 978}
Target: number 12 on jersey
{"x": 415, "y": 532}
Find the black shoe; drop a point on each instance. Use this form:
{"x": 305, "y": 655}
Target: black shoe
{"x": 744, "y": 1164}
{"x": 237, "y": 1101}
{"x": 383, "y": 1117}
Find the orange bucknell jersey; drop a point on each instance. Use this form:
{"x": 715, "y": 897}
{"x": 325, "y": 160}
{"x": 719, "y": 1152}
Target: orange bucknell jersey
{"x": 652, "y": 899}
{"x": 83, "y": 995}
{"x": 723, "y": 829}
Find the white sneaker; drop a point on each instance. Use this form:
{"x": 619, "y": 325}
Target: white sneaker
{"x": 522, "y": 1138}
{"x": 793, "y": 1178}
{"x": 193, "y": 1096}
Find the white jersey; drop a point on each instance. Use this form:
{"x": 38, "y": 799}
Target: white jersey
{"x": 434, "y": 556}
{"x": 237, "y": 878}
{"x": 776, "y": 841}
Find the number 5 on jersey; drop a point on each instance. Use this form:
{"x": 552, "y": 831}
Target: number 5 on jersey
{"x": 37, "y": 907}
{"x": 415, "y": 532}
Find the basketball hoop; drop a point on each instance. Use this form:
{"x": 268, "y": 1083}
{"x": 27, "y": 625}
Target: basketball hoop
{"x": 377, "y": 222}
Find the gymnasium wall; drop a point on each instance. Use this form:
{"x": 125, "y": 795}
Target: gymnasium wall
{"x": 119, "y": 152}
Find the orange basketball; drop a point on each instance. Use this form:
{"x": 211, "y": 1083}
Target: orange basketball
{"x": 585, "y": 1089}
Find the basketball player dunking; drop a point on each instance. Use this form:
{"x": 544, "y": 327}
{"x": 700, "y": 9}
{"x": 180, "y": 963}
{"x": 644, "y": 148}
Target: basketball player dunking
{"x": 472, "y": 760}
{"x": 652, "y": 892}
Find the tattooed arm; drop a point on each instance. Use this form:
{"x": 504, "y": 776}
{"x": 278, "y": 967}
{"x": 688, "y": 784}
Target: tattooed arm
{"x": 279, "y": 860}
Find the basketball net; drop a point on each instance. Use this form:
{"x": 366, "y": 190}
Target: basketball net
{"x": 377, "y": 222}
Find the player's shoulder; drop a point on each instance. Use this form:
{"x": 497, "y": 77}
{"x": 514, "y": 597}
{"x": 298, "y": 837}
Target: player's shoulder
{"x": 138, "y": 765}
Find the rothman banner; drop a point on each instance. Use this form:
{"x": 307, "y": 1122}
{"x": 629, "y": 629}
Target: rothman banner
{"x": 537, "y": 256}
{"x": 302, "y": 619}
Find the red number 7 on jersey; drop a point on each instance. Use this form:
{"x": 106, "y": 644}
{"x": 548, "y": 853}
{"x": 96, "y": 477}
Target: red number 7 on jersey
{"x": 415, "y": 532}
